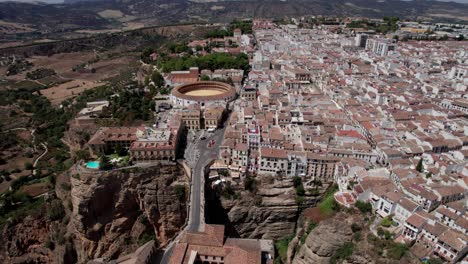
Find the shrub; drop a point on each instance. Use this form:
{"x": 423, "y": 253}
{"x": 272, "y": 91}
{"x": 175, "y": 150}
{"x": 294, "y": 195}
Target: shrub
{"x": 52, "y": 179}
{"x": 300, "y": 200}
{"x": 328, "y": 206}
{"x": 28, "y": 166}
{"x": 300, "y": 190}
{"x": 420, "y": 166}
{"x": 65, "y": 186}
{"x": 311, "y": 227}
{"x": 104, "y": 163}
{"x": 180, "y": 192}
{"x": 297, "y": 181}
{"x": 388, "y": 235}
{"x": 16, "y": 170}
{"x": 49, "y": 244}
{"x": 82, "y": 154}
{"x": 355, "y": 227}
{"x": 258, "y": 200}
{"x": 282, "y": 247}
{"x": 60, "y": 236}
{"x": 380, "y": 232}
{"x": 364, "y": 207}
{"x": 146, "y": 236}
{"x": 342, "y": 253}
{"x": 386, "y": 222}
{"x": 397, "y": 250}
{"x": 55, "y": 210}
{"x": 40, "y": 73}
{"x": 435, "y": 261}
{"x": 314, "y": 192}
{"x": 250, "y": 184}
{"x": 357, "y": 236}
{"x": 157, "y": 79}
{"x": 229, "y": 193}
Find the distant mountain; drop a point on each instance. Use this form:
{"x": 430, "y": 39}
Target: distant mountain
{"x": 106, "y": 14}
{"x": 56, "y": 16}
{"x": 209, "y": 10}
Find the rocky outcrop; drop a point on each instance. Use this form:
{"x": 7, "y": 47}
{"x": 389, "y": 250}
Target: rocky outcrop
{"x": 111, "y": 211}
{"x": 324, "y": 240}
{"x": 23, "y": 241}
{"x": 271, "y": 213}
{"x": 330, "y": 235}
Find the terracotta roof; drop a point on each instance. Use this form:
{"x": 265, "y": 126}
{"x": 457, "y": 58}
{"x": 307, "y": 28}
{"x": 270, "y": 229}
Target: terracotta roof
{"x": 416, "y": 220}
{"x": 435, "y": 229}
{"x": 454, "y": 239}
{"x": 408, "y": 204}
{"x": 273, "y": 153}
{"x": 210, "y": 243}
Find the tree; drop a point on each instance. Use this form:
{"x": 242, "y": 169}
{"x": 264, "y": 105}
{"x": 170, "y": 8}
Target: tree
{"x": 297, "y": 181}
{"x": 104, "y": 163}
{"x": 180, "y": 192}
{"x": 300, "y": 190}
{"x": 204, "y": 78}
{"x": 386, "y": 221}
{"x": 342, "y": 253}
{"x": 55, "y": 211}
{"x": 420, "y": 166}
{"x": 28, "y": 166}
{"x": 363, "y": 206}
{"x": 250, "y": 184}
{"x": 435, "y": 261}
{"x": 397, "y": 250}
{"x": 121, "y": 150}
{"x": 145, "y": 55}
{"x": 157, "y": 79}
{"x": 82, "y": 154}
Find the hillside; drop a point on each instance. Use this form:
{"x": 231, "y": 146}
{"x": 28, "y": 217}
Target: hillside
{"x": 89, "y": 13}
{"x": 25, "y": 23}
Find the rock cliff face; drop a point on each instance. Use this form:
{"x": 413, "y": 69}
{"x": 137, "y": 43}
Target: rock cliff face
{"x": 24, "y": 241}
{"x": 331, "y": 235}
{"x": 35, "y": 238}
{"x": 271, "y": 213}
{"x": 324, "y": 240}
{"x": 113, "y": 211}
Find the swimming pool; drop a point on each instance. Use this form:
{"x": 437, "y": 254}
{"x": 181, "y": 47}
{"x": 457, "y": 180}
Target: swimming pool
{"x": 92, "y": 165}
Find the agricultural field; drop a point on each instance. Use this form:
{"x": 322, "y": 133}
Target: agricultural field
{"x": 57, "y": 94}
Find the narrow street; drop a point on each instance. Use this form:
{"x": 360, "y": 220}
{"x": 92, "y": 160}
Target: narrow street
{"x": 198, "y": 155}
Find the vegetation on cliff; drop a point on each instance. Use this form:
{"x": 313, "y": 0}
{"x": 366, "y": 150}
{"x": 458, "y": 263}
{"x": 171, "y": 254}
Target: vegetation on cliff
{"x": 244, "y": 25}
{"x": 211, "y": 62}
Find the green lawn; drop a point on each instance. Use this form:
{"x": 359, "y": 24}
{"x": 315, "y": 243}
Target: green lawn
{"x": 123, "y": 159}
{"x": 328, "y": 205}
{"x": 282, "y": 248}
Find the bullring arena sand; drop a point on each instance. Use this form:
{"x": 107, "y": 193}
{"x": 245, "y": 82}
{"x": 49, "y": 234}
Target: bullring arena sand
{"x": 204, "y": 92}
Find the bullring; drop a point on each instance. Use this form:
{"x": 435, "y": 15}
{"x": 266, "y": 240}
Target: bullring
{"x": 202, "y": 93}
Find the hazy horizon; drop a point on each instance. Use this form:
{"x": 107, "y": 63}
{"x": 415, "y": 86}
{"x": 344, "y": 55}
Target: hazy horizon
{"x": 61, "y": 1}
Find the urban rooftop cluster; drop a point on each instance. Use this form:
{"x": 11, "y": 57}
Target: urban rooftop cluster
{"x": 384, "y": 119}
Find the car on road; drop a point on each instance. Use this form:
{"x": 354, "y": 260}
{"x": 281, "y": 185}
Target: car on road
{"x": 203, "y": 138}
